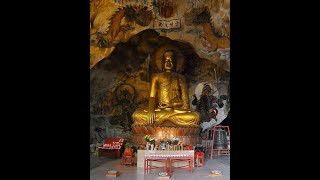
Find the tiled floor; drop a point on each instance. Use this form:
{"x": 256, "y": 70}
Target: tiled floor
{"x": 221, "y": 163}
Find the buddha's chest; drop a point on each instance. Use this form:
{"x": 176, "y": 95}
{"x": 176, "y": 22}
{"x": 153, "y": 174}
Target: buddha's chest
{"x": 168, "y": 83}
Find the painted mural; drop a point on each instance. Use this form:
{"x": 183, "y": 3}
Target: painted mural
{"x": 203, "y": 23}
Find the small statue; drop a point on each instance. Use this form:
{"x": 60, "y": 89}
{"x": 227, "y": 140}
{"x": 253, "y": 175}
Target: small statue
{"x": 221, "y": 115}
{"x": 205, "y": 106}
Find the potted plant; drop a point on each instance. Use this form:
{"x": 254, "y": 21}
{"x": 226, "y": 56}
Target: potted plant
{"x": 175, "y": 143}
{"x": 147, "y": 138}
{"x": 169, "y": 141}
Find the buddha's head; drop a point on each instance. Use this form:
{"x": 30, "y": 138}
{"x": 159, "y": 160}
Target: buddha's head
{"x": 168, "y": 61}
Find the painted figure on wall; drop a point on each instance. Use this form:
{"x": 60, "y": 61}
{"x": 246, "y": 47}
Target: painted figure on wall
{"x": 125, "y": 105}
{"x": 213, "y": 110}
{"x": 205, "y": 105}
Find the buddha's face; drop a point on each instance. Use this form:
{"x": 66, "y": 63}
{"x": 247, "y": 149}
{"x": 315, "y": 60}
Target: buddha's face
{"x": 168, "y": 61}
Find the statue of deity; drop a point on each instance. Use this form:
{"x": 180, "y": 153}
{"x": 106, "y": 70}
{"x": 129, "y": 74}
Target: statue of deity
{"x": 172, "y": 98}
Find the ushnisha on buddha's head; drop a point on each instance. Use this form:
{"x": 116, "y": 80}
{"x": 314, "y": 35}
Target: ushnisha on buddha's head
{"x": 169, "y": 61}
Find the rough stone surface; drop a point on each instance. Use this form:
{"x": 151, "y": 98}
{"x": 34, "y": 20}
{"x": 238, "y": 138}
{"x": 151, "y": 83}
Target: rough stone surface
{"x": 126, "y": 66}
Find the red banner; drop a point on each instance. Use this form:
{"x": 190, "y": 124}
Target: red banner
{"x": 113, "y": 143}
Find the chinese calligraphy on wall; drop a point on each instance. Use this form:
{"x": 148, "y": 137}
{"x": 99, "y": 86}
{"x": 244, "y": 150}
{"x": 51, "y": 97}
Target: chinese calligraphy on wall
{"x": 167, "y": 24}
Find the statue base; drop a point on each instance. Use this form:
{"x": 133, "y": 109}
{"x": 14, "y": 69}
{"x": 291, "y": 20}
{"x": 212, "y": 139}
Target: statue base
{"x": 187, "y": 135}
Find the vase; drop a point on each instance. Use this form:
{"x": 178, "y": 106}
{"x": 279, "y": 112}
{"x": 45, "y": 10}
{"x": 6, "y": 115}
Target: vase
{"x": 174, "y": 147}
{"x": 163, "y": 146}
{"x": 152, "y": 147}
{"x": 147, "y": 146}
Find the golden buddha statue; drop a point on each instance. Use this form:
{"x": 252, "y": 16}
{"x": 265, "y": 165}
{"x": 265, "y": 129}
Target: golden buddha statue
{"x": 173, "y": 104}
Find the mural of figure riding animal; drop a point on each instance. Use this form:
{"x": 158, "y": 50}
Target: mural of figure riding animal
{"x": 217, "y": 38}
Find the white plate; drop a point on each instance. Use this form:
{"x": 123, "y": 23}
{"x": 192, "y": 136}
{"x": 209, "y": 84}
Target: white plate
{"x": 216, "y": 172}
{"x": 112, "y": 172}
{"x": 163, "y": 173}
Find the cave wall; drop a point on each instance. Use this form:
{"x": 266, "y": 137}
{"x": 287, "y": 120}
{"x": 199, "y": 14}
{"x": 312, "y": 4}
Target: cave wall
{"x": 121, "y": 46}
{"x": 211, "y": 43}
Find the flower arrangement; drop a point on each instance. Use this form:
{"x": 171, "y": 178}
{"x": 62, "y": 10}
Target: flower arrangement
{"x": 169, "y": 141}
{"x": 152, "y": 141}
{"x": 147, "y": 138}
{"x": 175, "y": 142}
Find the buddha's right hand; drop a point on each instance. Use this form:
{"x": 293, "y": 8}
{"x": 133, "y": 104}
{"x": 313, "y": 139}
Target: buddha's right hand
{"x": 151, "y": 117}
